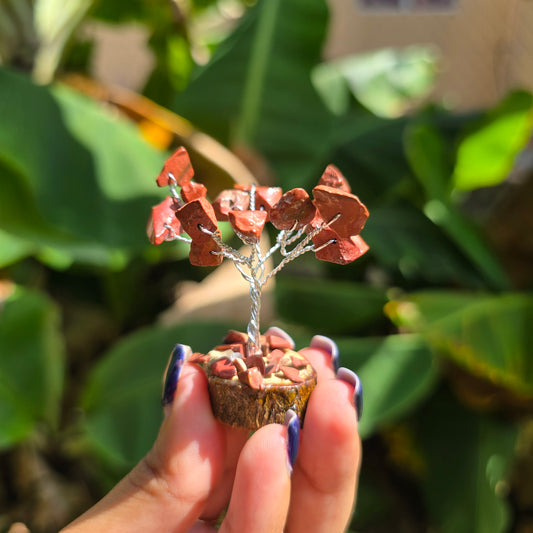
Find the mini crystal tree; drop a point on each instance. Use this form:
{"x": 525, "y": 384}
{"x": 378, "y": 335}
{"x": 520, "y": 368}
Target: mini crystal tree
{"x": 254, "y": 379}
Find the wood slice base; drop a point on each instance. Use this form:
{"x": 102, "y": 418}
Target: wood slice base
{"x": 238, "y": 405}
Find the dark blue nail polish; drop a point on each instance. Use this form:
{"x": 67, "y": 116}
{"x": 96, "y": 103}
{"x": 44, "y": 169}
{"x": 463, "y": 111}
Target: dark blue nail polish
{"x": 177, "y": 358}
{"x": 292, "y": 423}
{"x": 353, "y": 379}
{"x": 325, "y": 343}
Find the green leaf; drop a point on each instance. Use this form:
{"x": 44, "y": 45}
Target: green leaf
{"x": 471, "y": 242}
{"x": 490, "y": 336}
{"x": 12, "y": 249}
{"x": 31, "y": 364}
{"x": 486, "y": 155}
{"x": 349, "y": 306}
{"x": 425, "y": 150}
{"x": 402, "y": 238}
{"x": 397, "y": 373}
{"x": 122, "y": 396}
{"x": 468, "y": 459}
{"x": 72, "y": 175}
{"x": 387, "y": 81}
{"x": 257, "y": 88}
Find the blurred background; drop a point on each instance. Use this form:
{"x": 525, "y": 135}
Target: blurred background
{"x": 424, "y": 105}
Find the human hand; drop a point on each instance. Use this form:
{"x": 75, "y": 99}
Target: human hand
{"x": 198, "y": 465}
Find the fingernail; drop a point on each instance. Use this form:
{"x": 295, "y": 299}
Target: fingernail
{"x": 292, "y": 423}
{"x": 177, "y": 358}
{"x": 326, "y": 344}
{"x": 278, "y": 332}
{"x": 353, "y": 379}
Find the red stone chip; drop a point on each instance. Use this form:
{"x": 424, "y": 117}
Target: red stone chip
{"x": 223, "y": 368}
{"x": 253, "y": 378}
{"x": 235, "y": 337}
{"x": 330, "y": 202}
{"x": 276, "y": 342}
{"x": 249, "y": 224}
{"x": 333, "y": 177}
{"x": 200, "y": 253}
{"x": 234, "y": 347}
{"x": 255, "y": 361}
{"x": 292, "y": 373}
{"x": 342, "y": 251}
{"x": 179, "y": 165}
{"x": 294, "y": 206}
{"x": 163, "y": 214}
{"x": 298, "y": 361}
{"x": 191, "y": 190}
{"x": 228, "y": 200}
{"x": 197, "y": 213}
{"x": 267, "y": 197}
{"x": 198, "y": 358}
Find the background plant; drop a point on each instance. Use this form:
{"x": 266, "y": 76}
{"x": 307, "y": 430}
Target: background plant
{"x": 435, "y": 318}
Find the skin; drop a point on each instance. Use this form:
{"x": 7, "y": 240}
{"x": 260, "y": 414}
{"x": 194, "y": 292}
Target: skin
{"x": 198, "y": 466}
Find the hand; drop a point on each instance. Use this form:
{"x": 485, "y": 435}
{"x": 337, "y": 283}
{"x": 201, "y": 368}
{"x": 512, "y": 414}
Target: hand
{"x": 198, "y": 465}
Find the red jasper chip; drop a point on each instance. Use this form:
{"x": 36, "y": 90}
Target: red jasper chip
{"x": 292, "y": 373}
{"x": 229, "y": 200}
{"x": 267, "y": 197}
{"x": 179, "y": 165}
{"x": 249, "y": 224}
{"x": 294, "y": 206}
{"x": 255, "y": 361}
{"x": 270, "y": 369}
{"x": 274, "y": 359}
{"x": 330, "y": 202}
{"x": 298, "y": 362}
{"x": 163, "y": 214}
{"x": 235, "y": 337}
{"x": 342, "y": 251}
{"x": 201, "y": 253}
{"x": 197, "y": 213}
{"x": 233, "y": 347}
{"x": 278, "y": 342}
{"x": 223, "y": 368}
{"x": 253, "y": 378}
{"x": 198, "y": 358}
{"x": 191, "y": 191}
{"x": 333, "y": 177}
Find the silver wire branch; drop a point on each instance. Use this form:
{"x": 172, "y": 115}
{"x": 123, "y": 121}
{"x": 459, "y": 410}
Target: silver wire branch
{"x": 252, "y": 267}
{"x": 172, "y": 184}
{"x": 175, "y": 236}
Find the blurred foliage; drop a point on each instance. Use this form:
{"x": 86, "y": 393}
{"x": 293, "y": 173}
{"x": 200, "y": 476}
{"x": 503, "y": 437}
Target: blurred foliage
{"x": 433, "y": 319}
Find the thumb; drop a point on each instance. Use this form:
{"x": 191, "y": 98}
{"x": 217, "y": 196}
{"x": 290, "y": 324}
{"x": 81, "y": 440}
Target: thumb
{"x": 168, "y": 489}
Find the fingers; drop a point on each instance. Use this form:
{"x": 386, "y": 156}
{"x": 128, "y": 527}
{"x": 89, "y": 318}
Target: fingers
{"x": 261, "y": 491}
{"x": 168, "y": 489}
{"x": 325, "y": 474}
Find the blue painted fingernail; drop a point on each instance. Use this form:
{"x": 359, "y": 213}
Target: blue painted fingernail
{"x": 292, "y": 423}
{"x": 325, "y": 343}
{"x": 278, "y": 332}
{"x": 353, "y": 379}
{"x": 177, "y": 358}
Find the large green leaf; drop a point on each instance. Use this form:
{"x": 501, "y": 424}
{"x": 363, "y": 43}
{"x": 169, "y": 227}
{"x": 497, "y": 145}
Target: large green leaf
{"x": 397, "y": 373}
{"x": 257, "y": 89}
{"x": 31, "y": 364}
{"x": 402, "y": 238}
{"x": 122, "y": 396}
{"x": 426, "y": 152}
{"x": 349, "y": 306}
{"x": 71, "y": 174}
{"x": 467, "y": 468}
{"x": 490, "y": 336}
{"x": 486, "y": 155}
